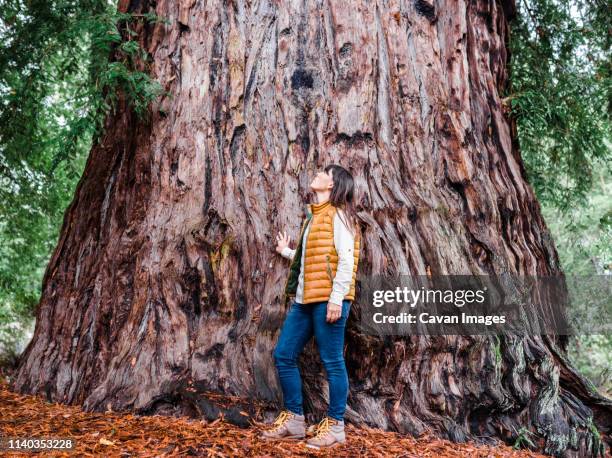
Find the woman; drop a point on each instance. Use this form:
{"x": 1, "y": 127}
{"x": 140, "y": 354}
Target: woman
{"x": 322, "y": 279}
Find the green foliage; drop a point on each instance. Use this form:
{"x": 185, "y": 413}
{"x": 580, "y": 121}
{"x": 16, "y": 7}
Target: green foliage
{"x": 63, "y": 65}
{"x": 560, "y": 95}
{"x": 583, "y": 235}
{"x": 592, "y": 356}
{"x": 523, "y": 439}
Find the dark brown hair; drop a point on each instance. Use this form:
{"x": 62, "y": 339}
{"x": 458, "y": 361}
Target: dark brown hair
{"x": 343, "y": 196}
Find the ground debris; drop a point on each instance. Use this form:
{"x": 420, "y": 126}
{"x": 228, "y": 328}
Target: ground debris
{"x": 121, "y": 434}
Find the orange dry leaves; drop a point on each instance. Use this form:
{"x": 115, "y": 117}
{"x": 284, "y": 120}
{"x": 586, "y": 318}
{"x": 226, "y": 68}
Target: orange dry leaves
{"x": 120, "y": 434}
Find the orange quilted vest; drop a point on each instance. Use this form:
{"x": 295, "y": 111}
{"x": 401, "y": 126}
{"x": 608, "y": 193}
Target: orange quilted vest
{"x": 321, "y": 258}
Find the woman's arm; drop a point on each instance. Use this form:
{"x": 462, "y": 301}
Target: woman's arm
{"x": 344, "y": 242}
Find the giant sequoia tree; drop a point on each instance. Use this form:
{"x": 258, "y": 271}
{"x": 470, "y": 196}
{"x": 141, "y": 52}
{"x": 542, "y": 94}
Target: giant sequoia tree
{"x": 164, "y": 290}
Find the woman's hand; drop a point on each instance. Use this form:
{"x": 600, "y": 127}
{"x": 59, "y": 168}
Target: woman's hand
{"x": 282, "y": 241}
{"x": 334, "y": 311}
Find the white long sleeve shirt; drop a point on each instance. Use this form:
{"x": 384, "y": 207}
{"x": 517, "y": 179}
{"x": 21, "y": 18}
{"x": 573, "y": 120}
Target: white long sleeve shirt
{"x": 344, "y": 243}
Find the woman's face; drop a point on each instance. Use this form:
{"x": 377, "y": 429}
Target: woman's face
{"x": 322, "y": 181}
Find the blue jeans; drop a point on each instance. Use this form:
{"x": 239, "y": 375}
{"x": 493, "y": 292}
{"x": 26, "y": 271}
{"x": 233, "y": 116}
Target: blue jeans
{"x": 302, "y": 322}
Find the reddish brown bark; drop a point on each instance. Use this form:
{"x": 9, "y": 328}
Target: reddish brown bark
{"x": 165, "y": 284}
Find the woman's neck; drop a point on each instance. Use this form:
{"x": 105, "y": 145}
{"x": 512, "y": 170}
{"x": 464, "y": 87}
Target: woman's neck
{"x": 321, "y": 197}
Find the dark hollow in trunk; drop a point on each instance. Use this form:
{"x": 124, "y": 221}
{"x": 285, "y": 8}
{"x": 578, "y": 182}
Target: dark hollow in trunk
{"x": 164, "y": 291}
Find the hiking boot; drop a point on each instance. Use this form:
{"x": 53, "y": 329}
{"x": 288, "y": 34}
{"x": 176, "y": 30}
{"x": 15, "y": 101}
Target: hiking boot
{"x": 288, "y": 425}
{"x": 329, "y": 432}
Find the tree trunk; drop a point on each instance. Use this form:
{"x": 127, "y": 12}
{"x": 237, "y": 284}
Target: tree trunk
{"x": 164, "y": 294}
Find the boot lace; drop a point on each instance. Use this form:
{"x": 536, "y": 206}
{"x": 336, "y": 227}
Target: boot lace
{"x": 323, "y": 428}
{"x": 280, "y": 420}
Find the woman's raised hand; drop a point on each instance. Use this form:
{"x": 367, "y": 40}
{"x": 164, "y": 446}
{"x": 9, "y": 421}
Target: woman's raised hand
{"x": 282, "y": 241}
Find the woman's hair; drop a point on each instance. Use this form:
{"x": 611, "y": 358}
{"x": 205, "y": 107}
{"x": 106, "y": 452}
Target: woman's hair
{"x": 343, "y": 195}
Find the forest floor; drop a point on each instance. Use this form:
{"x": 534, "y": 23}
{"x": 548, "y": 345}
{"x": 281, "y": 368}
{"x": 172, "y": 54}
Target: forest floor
{"x": 121, "y": 434}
